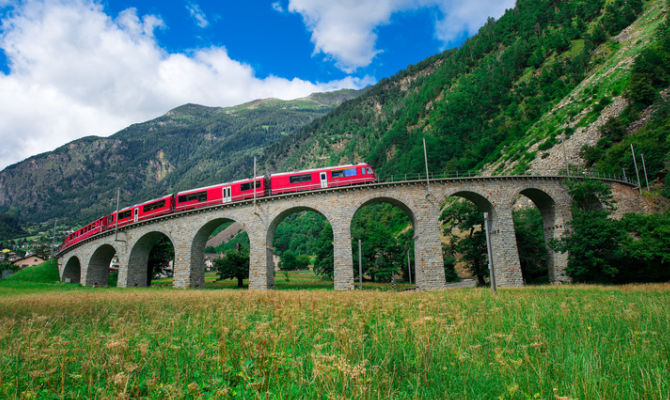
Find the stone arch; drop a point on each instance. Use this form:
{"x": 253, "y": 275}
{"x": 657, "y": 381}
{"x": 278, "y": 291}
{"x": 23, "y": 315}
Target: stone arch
{"x": 137, "y": 270}
{"x": 72, "y": 270}
{"x": 481, "y": 200}
{"x": 552, "y": 228}
{"x": 389, "y": 200}
{"x": 416, "y": 274}
{"x": 198, "y": 244}
{"x": 272, "y": 227}
{"x": 98, "y": 265}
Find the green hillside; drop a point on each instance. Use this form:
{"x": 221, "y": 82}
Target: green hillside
{"x": 544, "y": 70}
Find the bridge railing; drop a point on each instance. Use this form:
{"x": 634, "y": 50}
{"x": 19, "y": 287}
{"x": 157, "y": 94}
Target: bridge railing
{"x": 573, "y": 173}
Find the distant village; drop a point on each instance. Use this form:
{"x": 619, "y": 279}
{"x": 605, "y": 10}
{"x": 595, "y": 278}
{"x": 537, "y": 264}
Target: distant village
{"x": 28, "y": 251}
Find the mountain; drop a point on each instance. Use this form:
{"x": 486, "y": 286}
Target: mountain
{"x": 190, "y": 146}
{"x": 591, "y": 72}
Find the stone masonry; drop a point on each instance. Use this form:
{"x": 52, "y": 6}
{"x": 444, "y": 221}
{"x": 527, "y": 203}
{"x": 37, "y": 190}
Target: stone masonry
{"x": 88, "y": 261}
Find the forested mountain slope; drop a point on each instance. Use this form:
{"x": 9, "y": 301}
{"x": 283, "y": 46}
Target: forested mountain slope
{"x": 547, "y": 69}
{"x": 188, "y": 147}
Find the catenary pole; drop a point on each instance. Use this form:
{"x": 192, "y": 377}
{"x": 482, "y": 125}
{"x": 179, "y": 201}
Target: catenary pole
{"x": 409, "y": 268}
{"x": 490, "y": 253}
{"x": 644, "y": 169}
{"x": 637, "y": 173}
{"x": 53, "y": 240}
{"x": 254, "y": 184}
{"x": 565, "y": 155}
{"x": 425, "y": 158}
{"x": 116, "y": 219}
{"x": 360, "y": 266}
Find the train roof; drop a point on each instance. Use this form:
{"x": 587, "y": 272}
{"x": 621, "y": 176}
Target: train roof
{"x": 221, "y": 184}
{"x": 321, "y": 169}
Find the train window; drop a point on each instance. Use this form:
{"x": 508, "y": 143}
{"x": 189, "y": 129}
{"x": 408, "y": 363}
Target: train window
{"x": 300, "y": 178}
{"x": 362, "y": 170}
{"x": 154, "y": 206}
{"x": 198, "y": 196}
{"x": 342, "y": 173}
{"x": 248, "y": 185}
{"x": 125, "y": 214}
{"x": 369, "y": 170}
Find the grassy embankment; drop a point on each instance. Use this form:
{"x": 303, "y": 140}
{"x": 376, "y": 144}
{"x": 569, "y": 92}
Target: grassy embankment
{"x": 536, "y": 342}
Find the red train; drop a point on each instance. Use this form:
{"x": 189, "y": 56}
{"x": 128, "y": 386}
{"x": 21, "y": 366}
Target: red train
{"x": 285, "y": 182}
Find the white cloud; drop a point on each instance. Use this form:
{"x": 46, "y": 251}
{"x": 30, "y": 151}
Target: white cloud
{"x": 198, "y": 15}
{"x": 75, "y": 71}
{"x": 467, "y": 16}
{"x": 278, "y": 7}
{"x": 345, "y": 30}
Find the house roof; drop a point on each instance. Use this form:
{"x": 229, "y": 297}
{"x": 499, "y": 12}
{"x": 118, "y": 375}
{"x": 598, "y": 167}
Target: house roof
{"x": 27, "y": 257}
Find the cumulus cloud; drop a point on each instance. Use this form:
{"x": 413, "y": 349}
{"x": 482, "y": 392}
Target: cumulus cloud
{"x": 345, "y": 30}
{"x": 197, "y": 14}
{"x": 75, "y": 71}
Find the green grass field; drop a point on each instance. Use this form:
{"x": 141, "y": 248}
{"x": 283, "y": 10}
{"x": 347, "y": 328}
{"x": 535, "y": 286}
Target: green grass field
{"x": 570, "y": 342}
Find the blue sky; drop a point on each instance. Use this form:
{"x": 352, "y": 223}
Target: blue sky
{"x": 72, "y": 68}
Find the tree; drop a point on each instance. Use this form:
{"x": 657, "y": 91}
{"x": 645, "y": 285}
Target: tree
{"x": 530, "y": 244}
{"x": 593, "y": 243}
{"x": 234, "y": 264}
{"x": 159, "y": 259}
{"x": 323, "y": 264}
{"x": 470, "y": 242}
{"x": 287, "y": 261}
{"x": 646, "y": 250}
{"x": 302, "y": 261}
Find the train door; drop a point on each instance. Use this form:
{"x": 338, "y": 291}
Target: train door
{"x": 226, "y": 196}
{"x": 136, "y": 213}
{"x": 324, "y": 179}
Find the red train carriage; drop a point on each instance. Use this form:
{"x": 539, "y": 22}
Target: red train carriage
{"x": 342, "y": 175}
{"x": 125, "y": 216}
{"x": 221, "y": 193}
{"x": 156, "y": 207}
{"x": 89, "y": 230}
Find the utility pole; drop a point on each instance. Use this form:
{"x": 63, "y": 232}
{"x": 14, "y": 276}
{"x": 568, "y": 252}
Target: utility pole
{"x": 254, "y": 182}
{"x": 425, "y": 158}
{"x": 116, "y": 218}
{"x": 488, "y": 248}
{"x": 360, "y": 266}
{"x": 53, "y": 240}
{"x": 644, "y": 168}
{"x": 409, "y": 268}
{"x": 639, "y": 184}
{"x": 565, "y": 155}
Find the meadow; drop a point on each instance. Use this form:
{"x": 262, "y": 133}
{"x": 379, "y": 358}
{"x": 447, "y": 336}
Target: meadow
{"x": 63, "y": 341}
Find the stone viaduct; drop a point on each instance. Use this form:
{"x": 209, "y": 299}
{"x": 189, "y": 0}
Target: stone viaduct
{"x": 88, "y": 261}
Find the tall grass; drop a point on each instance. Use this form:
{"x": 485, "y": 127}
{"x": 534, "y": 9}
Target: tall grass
{"x": 536, "y": 342}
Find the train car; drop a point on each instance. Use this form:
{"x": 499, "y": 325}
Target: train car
{"x": 98, "y": 226}
{"x": 318, "y": 178}
{"x": 218, "y": 194}
{"x": 125, "y": 216}
{"x": 156, "y": 207}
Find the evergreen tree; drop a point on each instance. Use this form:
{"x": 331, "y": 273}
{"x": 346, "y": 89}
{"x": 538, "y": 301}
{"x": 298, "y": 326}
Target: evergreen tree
{"x": 234, "y": 264}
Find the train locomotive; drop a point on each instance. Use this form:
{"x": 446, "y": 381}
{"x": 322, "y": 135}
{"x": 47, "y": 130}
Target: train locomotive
{"x": 244, "y": 189}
